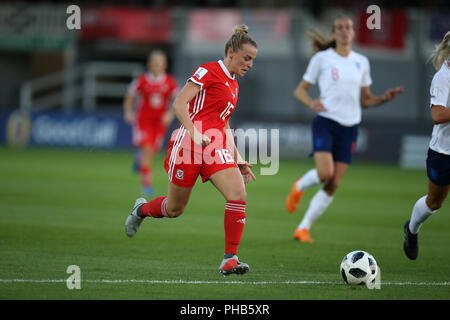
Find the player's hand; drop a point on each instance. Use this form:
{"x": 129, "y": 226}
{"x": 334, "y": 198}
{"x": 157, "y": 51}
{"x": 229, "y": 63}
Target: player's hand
{"x": 244, "y": 167}
{"x": 200, "y": 139}
{"x": 392, "y": 93}
{"x": 317, "y": 106}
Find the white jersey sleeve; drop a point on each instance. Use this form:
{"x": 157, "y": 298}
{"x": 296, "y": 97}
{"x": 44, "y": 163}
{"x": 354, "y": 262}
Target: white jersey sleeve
{"x": 439, "y": 92}
{"x": 132, "y": 87}
{"x": 313, "y": 70}
{"x": 440, "y": 87}
{"x": 366, "y": 80}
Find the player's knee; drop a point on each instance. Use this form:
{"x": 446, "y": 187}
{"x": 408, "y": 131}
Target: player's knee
{"x": 174, "y": 212}
{"x": 326, "y": 175}
{"x": 238, "y": 195}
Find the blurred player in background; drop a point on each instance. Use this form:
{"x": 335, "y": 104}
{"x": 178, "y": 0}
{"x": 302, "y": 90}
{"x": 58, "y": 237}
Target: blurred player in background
{"x": 438, "y": 160}
{"x": 204, "y": 146}
{"x": 155, "y": 89}
{"x": 344, "y": 80}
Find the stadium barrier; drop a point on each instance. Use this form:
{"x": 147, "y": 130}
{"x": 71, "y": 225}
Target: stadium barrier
{"x": 378, "y": 143}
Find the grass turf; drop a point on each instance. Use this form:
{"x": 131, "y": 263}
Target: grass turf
{"x": 63, "y": 207}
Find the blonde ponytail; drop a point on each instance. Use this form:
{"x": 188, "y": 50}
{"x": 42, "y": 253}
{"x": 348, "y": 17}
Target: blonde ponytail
{"x": 319, "y": 41}
{"x": 441, "y": 52}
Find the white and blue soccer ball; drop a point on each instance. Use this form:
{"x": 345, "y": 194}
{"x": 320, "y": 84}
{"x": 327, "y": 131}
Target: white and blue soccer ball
{"x": 358, "y": 268}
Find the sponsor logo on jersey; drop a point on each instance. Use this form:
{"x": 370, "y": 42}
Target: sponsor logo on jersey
{"x": 200, "y": 73}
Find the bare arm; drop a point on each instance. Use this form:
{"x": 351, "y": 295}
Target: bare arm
{"x": 440, "y": 114}
{"x": 301, "y": 94}
{"x": 189, "y": 91}
{"x": 128, "y": 112}
{"x": 368, "y": 100}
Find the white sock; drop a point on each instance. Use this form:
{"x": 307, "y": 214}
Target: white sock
{"x": 310, "y": 179}
{"x": 420, "y": 213}
{"x": 319, "y": 203}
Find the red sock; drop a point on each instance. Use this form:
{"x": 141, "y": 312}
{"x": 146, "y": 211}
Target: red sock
{"x": 234, "y": 222}
{"x": 155, "y": 208}
{"x": 146, "y": 171}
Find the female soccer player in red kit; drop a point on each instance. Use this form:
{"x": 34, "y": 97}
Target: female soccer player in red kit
{"x": 204, "y": 146}
{"x": 156, "y": 89}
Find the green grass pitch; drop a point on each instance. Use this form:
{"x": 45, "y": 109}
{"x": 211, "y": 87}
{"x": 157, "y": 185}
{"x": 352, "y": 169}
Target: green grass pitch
{"x": 63, "y": 207}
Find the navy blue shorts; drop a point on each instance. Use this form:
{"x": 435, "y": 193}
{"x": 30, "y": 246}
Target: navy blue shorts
{"x": 330, "y": 136}
{"x": 438, "y": 168}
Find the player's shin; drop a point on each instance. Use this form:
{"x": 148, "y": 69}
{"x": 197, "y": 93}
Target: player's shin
{"x": 319, "y": 203}
{"x": 146, "y": 172}
{"x": 155, "y": 208}
{"x": 234, "y": 222}
{"x": 421, "y": 212}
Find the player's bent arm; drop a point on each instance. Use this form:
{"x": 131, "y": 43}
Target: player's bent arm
{"x": 440, "y": 114}
{"x": 301, "y": 93}
{"x": 180, "y": 103}
{"x": 368, "y": 100}
{"x": 189, "y": 91}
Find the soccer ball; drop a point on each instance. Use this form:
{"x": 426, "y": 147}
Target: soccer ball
{"x": 359, "y": 267}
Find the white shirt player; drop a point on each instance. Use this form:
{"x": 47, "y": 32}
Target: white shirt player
{"x": 340, "y": 80}
{"x": 440, "y": 91}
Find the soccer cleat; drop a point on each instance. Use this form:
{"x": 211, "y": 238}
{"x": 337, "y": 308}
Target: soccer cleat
{"x": 410, "y": 245}
{"x": 233, "y": 265}
{"x": 293, "y": 199}
{"x": 302, "y": 235}
{"x": 133, "y": 221}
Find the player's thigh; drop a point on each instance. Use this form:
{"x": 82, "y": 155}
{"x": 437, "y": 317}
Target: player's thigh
{"x": 229, "y": 182}
{"x": 324, "y": 165}
{"x": 177, "y": 199}
{"x": 436, "y": 195}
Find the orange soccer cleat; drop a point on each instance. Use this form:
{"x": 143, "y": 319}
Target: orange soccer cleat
{"x": 302, "y": 235}
{"x": 293, "y": 199}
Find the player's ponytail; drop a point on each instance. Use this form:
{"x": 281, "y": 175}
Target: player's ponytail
{"x": 240, "y": 37}
{"x": 441, "y": 52}
{"x": 320, "y": 41}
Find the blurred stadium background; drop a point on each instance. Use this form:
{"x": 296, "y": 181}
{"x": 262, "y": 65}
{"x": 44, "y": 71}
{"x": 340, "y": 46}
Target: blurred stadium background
{"x": 64, "y": 88}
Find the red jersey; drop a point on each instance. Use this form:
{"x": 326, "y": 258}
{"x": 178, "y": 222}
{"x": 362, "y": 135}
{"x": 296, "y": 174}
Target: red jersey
{"x": 211, "y": 108}
{"x": 155, "y": 93}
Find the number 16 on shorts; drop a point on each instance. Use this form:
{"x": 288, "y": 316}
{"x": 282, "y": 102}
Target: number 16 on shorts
{"x": 225, "y": 156}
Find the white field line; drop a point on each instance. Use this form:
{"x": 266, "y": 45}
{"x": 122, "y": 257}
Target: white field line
{"x": 189, "y": 282}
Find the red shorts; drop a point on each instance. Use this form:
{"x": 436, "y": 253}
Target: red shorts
{"x": 149, "y": 134}
{"x": 184, "y": 166}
